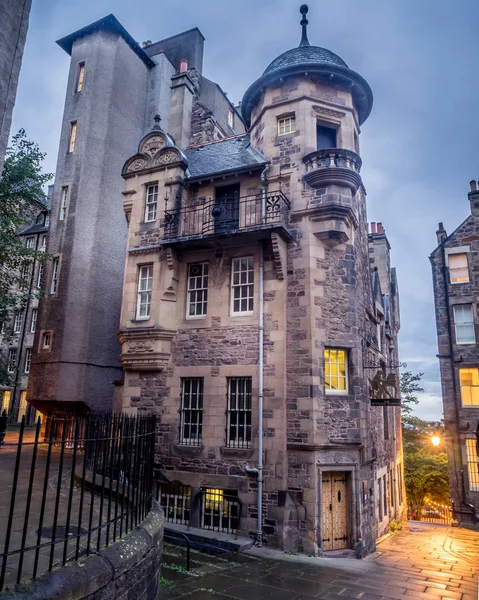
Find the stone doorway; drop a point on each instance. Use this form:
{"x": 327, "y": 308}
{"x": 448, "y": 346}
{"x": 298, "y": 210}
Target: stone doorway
{"x": 334, "y": 510}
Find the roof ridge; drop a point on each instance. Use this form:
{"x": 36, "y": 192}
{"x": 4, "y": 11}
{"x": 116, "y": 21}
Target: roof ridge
{"x": 232, "y": 137}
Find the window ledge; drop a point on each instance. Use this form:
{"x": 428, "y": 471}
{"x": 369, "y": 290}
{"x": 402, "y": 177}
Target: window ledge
{"x": 232, "y": 451}
{"x": 185, "y": 450}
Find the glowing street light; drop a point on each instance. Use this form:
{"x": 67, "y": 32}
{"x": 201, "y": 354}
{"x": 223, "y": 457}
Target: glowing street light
{"x": 435, "y": 440}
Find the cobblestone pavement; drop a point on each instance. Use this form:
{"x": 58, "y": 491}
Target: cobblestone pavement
{"x": 424, "y": 561}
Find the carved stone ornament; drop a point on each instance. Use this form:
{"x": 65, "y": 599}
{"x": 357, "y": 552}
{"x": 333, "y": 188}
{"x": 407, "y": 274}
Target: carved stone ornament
{"x": 153, "y": 145}
{"x": 137, "y": 165}
{"x": 329, "y": 112}
{"x": 167, "y": 157}
{"x": 140, "y": 346}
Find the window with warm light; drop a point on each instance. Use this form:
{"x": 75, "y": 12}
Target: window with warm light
{"x": 335, "y": 371}
{"x": 286, "y": 124}
{"x": 469, "y": 379}
{"x": 22, "y": 407}
{"x": 73, "y": 136}
{"x": 458, "y": 270}
{"x": 5, "y": 404}
{"x": 464, "y": 324}
{"x": 81, "y": 75}
{"x": 472, "y": 465}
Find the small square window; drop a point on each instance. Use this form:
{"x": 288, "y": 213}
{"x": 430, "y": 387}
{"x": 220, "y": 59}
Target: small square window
{"x": 286, "y": 125}
{"x": 458, "y": 270}
{"x": 73, "y": 137}
{"x": 46, "y": 340}
{"x": 335, "y": 371}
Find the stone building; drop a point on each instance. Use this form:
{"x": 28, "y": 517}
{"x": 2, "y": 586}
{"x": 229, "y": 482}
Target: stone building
{"x": 259, "y": 318}
{"x": 77, "y": 355}
{"x": 455, "y": 266}
{"x": 17, "y": 335}
{"x": 13, "y": 32}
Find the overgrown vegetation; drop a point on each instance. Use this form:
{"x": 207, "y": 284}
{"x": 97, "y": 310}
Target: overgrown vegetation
{"x": 425, "y": 466}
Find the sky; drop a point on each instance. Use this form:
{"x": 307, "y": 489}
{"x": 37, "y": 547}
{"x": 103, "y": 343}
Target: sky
{"x": 419, "y": 146}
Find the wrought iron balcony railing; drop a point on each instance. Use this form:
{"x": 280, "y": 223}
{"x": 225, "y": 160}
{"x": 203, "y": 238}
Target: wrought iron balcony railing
{"x": 226, "y": 215}
{"x": 334, "y": 166}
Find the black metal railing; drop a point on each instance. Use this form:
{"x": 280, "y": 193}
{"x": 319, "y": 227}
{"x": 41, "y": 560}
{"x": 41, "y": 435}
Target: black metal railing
{"x": 75, "y": 485}
{"x": 431, "y": 512}
{"x": 226, "y": 215}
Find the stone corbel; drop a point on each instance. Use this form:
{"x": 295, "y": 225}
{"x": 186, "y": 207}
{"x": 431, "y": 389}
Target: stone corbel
{"x": 128, "y": 203}
{"x": 333, "y": 221}
{"x": 279, "y": 255}
{"x": 169, "y": 295}
{"x": 146, "y": 349}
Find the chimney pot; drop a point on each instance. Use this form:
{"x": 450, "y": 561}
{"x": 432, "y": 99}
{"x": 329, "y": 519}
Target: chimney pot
{"x": 183, "y": 65}
{"x": 380, "y": 228}
{"x": 373, "y": 227}
{"x": 473, "y": 185}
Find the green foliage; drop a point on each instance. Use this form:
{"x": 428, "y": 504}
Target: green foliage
{"x": 425, "y": 466}
{"x": 395, "y": 525}
{"x": 21, "y": 200}
{"x": 179, "y": 569}
{"x": 165, "y": 582}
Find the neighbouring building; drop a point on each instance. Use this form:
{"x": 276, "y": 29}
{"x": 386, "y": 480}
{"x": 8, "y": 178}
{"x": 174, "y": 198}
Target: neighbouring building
{"x": 455, "y": 267}
{"x": 260, "y": 317}
{"x": 17, "y": 334}
{"x": 115, "y": 88}
{"x": 14, "y": 16}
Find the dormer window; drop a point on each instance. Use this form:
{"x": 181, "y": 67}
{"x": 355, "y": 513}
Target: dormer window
{"x": 286, "y": 124}
{"x": 325, "y": 137}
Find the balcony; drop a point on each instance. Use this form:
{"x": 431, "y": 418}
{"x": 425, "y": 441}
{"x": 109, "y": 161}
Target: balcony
{"x": 227, "y": 216}
{"x": 333, "y": 166}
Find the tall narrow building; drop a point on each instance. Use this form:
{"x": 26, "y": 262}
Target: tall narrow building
{"x": 114, "y": 90}
{"x": 455, "y": 264}
{"x": 260, "y": 319}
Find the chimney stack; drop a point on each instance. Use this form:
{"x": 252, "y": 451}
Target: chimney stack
{"x": 474, "y": 198}
{"x": 373, "y": 227}
{"x": 441, "y": 234}
{"x": 183, "y": 65}
{"x": 381, "y": 229}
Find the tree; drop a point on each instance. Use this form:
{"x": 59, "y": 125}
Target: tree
{"x": 425, "y": 466}
{"x": 21, "y": 199}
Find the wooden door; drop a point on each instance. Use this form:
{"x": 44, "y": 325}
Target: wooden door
{"x": 334, "y": 511}
{"x": 227, "y": 208}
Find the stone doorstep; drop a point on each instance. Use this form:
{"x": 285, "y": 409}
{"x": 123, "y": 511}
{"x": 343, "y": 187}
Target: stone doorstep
{"x": 223, "y": 540}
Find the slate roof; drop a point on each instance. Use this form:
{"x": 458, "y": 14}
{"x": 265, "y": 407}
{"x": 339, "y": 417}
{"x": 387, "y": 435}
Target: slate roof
{"x": 35, "y": 228}
{"x": 230, "y": 154}
{"x": 304, "y": 55}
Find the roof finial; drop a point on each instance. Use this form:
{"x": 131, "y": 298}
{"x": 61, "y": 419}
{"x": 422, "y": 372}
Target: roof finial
{"x": 157, "y": 120}
{"x": 304, "y": 22}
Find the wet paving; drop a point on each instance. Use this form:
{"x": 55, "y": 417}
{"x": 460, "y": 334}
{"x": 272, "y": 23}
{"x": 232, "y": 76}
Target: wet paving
{"x": 424, "y": 561}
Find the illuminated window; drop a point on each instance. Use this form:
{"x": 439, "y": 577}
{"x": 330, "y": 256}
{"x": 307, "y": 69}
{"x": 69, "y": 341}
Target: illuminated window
{"x": 469, "y": 386}
{"x": 472, "y": 465}
{"x": 7, "y": 394}
{"x": 145, "y": 285}
{"x": 197, "y": 290}
{"x": 22, "y": 409}
{"x": 33, "y": 325}
{"x": 81, "y": 75}
{"x": 286, "y": 125}
{"x": 458, "y": 268}
{"x": 464, "y": 324}
{"x": 17, "y": 324}
{"x": 54, "y": 281}
{"x": 28, "y": 360}
{"x": 151, "y": 203}
{"x": 73, "y": 135}
{"x": 12, "y": 359}
{"x": 243, "y": 286}
{"x": 238, "y": 414}
{"x": 63, "y": 203}
{"x": 335, "y": 371}
{"x": 191, "y": 411}
{"x": 220, "y": 510}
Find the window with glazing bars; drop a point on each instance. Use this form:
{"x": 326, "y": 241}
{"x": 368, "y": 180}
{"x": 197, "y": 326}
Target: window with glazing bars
{"x": 73, "y": 137}
{"x": 33, "y": 324}
{"x": 54, "y": 281}
{"x": 81, "y": 75}
{"x": 286, "y": 124}
{"x": 220, "y": 510}
{"x": 17, "y": 324}
{"x": 243, "y": 286}
{"x": 145, "y": 285}
{"x": 175, "y": 501}
{"x": 63, "y": 203}
{"x": 335, "y": 371}
{"x": 458, "y": 270}
{"x": 28, "y": 360}
{"x": 472, "y": 465}
{"x": 469, "y": 379}
{"x": 191, "y": 411}
{"x": 238, "y": 413}
{"x": 12, "y": 359}
{"x": 151, "y": 202}
{"x": 197, "y": 290}
{"x": 464, "y": 324}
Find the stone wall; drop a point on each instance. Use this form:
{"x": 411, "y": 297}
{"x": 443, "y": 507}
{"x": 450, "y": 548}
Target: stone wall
{"x": 129, "y": 568}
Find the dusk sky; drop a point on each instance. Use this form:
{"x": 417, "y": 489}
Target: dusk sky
{"x": 419, "y": 146}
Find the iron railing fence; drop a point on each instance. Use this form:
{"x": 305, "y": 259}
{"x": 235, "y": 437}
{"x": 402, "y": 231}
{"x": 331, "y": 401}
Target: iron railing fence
{"x": 226, "y": 215}
{"x": 431, "y": 512}
{"x": 209, "y": 508}
{"x": 75, "y": 485}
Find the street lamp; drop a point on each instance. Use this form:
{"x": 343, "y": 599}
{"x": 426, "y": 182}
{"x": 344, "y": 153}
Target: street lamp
{"x": 435, "y": 440}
